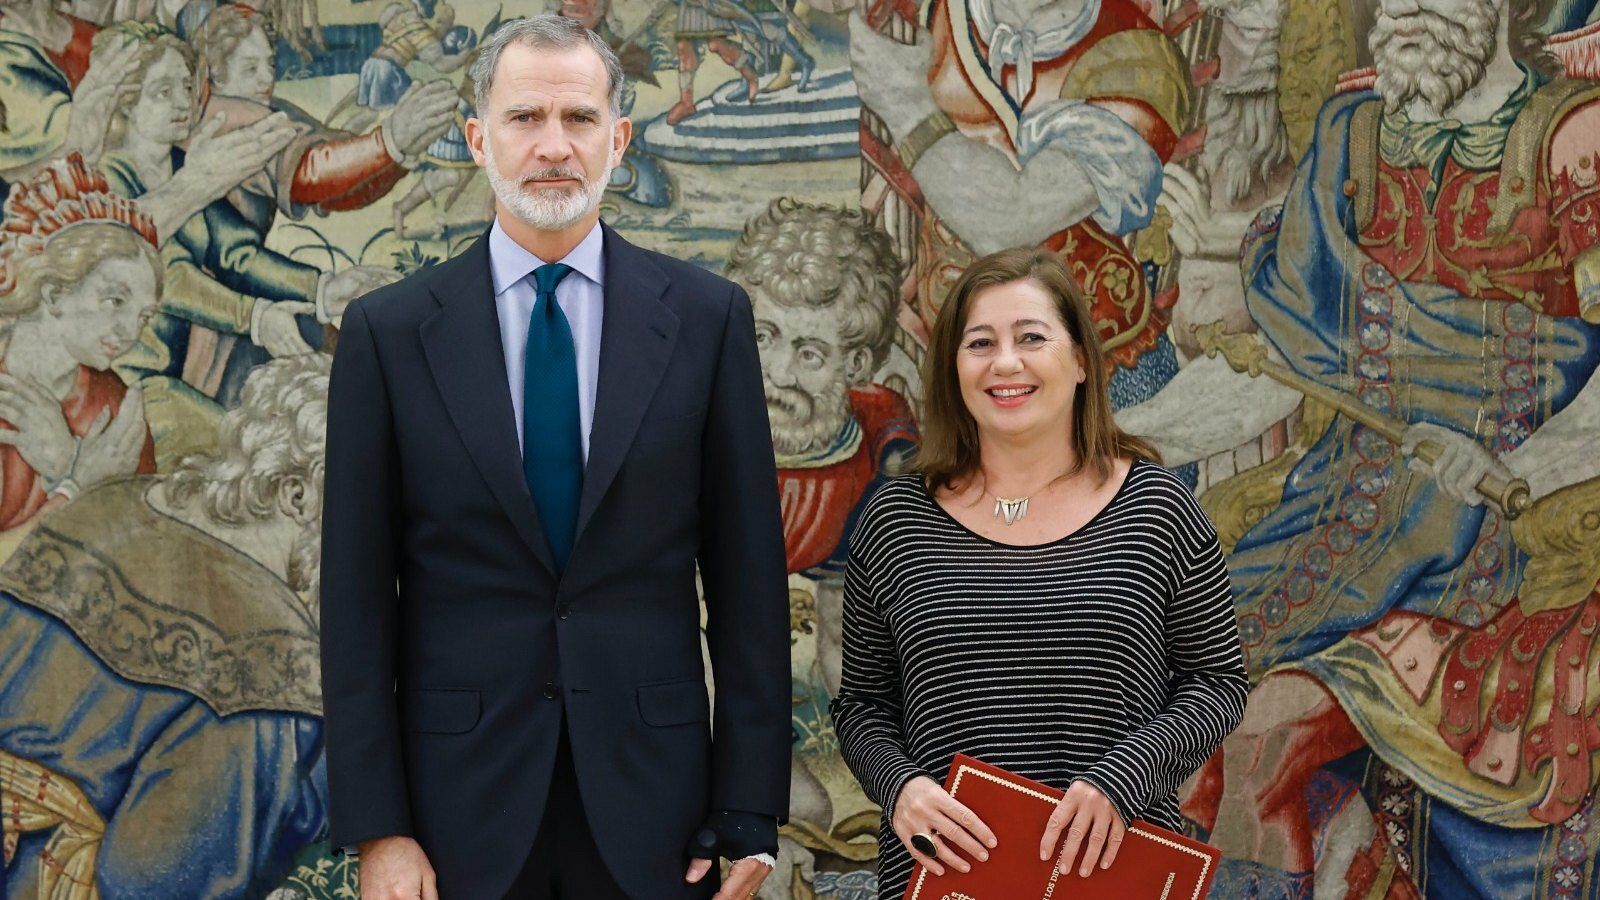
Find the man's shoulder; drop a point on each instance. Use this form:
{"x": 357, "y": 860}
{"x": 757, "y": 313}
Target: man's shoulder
{"x": 1573, "y": 121}
{"x": 417, "y": 295}
{"x": 691, "y": 288}
{"x": 405, "y": 303}
{"x": 687, "y": 275}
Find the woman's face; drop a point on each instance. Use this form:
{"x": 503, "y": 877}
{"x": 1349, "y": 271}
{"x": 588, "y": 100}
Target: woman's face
{"x": 162, "y": 112}
{"x": 248, "y": 70}
{"x": 100, "y": 317}
{"x": 1017, "y": 365}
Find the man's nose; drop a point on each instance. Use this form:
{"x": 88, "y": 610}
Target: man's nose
{"x": 1398, "y": 8}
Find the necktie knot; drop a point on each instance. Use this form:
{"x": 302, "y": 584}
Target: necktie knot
{"x": 546, "y": 277}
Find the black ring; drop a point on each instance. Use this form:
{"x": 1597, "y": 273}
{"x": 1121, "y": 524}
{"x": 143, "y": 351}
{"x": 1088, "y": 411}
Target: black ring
{"x": 923, "y": 843}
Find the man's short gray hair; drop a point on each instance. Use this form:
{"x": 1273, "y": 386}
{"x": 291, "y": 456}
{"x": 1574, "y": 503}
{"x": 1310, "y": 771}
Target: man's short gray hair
{"x": 543, "y": 32}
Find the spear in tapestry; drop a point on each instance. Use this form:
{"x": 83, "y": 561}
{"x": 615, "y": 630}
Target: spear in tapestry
{"x": 1249, "y": 356}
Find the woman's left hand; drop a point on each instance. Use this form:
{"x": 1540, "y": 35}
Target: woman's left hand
{"x": 1084, "y": 813}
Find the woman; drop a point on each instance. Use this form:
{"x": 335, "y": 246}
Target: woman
{"x": 79, "y": 275}
{"x": 1041, "y": 595}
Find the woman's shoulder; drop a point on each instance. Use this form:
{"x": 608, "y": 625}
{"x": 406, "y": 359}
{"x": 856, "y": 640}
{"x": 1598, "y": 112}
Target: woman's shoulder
{"x": 895, "y": 500}
{"x": 1154, "y": 488}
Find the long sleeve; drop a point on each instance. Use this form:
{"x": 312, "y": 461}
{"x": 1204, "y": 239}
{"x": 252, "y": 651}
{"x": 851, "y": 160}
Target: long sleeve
{"x": 1208, "y": 683}
{"x": 868, "y": 713}
{"x": 742, "y": 570}
{"x": 360, "y": 605}
{"x": 332, "y": 171}
{"x": 236, "y": 255}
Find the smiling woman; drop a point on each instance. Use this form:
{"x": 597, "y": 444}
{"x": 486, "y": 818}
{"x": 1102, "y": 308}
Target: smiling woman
{"x": 1081, "y": 634}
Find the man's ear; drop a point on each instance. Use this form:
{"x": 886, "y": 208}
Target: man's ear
{"x": 620, "y": 138}
{"x": 296, "y": 499}
{"x": 475, "y": 136}
{"x": 858, "y": 365}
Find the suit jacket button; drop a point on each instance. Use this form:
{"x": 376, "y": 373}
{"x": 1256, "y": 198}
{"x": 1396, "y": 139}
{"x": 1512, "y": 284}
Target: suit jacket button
{"x": 550, "y": 690}
{"x": 563, "y": 611}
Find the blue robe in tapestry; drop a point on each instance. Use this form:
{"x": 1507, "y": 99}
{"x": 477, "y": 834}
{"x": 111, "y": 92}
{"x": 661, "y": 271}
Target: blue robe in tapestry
{"x": 174, "y": 681}
{"x": 1358, "y": 534}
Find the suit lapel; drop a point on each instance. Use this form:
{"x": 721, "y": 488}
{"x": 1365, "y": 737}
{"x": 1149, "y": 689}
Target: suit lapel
{"x": 465, "y": 355}
{"x": 637, "y": 334}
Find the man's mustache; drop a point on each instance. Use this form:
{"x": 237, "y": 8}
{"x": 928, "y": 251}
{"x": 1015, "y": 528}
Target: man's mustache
{"x": 546, "y": 174}
{"x": 793, "y": 401}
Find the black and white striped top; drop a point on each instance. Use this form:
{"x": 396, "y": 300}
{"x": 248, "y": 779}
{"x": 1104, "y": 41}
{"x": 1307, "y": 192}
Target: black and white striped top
{"x": 1110, "y": 655}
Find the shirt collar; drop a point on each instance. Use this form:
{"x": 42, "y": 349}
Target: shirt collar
{"x": 510, "y": 262}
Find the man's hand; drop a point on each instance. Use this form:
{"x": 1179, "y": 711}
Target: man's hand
{"x": 95, "y": 97}
{"x": 112, "y": 446}
{"x": 279, "y": 333}
{"x": 743, "y": 881}
{"x": 338, "y": 289}
{"x": 1461, "y": 464}
{"x": 395, "y": 868}
{"x": 39, "y": 430}
{"x": 421, "y": 116}
{"x": 216, "y": 163}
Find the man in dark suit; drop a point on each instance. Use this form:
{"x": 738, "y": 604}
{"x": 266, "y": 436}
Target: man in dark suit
{"x": 530, "y": 448}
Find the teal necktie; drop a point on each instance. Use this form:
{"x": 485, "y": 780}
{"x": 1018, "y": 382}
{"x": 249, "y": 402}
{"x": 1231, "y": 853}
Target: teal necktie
{"x": 552, "y": 444}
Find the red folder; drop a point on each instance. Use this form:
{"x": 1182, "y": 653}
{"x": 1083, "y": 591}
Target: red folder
{"x": 1153, "y": 864}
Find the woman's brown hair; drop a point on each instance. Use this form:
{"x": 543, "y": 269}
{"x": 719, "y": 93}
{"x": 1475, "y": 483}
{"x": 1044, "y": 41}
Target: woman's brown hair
{"x": 949, "y": 451}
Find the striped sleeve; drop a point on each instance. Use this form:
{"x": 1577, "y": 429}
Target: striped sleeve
{"x": 1208, "y": 682}
{"x": 868, "y": 714}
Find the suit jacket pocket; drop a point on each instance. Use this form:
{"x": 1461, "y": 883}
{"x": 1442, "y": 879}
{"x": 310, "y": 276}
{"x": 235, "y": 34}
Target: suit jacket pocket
{"x": 674, "y": 703}
{"x": 442, "y": 710}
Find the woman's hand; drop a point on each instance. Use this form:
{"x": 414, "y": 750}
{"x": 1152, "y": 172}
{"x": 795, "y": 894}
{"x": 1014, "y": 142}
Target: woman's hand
{"x": 1084, "y": 813}
{"x": 925, "y": 808}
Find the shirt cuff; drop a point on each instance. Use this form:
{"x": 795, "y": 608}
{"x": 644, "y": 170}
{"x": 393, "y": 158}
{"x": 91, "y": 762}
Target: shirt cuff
{"x": 767, "y": 858}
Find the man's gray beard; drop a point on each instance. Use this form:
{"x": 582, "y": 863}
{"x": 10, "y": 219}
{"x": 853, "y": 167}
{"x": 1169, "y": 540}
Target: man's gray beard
{"x": 1245, "y": 140}
{"x": 802, "y": 424}
{"x": 1448, "y": 62}
{"x": 546, "y": 209}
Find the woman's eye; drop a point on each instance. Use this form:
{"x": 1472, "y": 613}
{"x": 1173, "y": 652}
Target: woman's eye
{"x": 1032, "y": 338}
{"x": 980, "y": 344}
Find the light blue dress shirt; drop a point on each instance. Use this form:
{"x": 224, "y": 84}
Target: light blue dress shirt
{"x": 581, "y": 296}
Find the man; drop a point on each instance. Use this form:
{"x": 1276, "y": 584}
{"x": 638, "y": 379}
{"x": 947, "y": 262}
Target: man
{"x": 159, "y": 705}
{"x": 516, "y": 699}
{"x": 1436, "y": 258}
{"x": 1038, "y": 122}
{"x": 723, "y": 27}
{"x": 823, "y": 281}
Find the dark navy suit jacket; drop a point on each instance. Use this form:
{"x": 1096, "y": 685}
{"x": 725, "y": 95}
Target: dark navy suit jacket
{"x": 450, "y": 647}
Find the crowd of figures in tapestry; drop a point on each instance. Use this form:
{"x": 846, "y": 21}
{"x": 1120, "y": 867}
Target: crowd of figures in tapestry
{"x": 1344, "y": 255}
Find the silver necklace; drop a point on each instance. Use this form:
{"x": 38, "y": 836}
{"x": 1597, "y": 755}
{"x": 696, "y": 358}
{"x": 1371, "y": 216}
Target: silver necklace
{"x": 1012, "y": 509}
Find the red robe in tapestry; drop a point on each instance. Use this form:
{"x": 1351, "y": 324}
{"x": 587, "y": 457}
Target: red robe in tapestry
{"x": 819, "y": 502}
{"x": 21, "y": 487}
{"x": 73, "y": 60}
